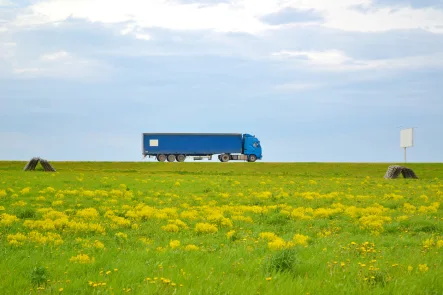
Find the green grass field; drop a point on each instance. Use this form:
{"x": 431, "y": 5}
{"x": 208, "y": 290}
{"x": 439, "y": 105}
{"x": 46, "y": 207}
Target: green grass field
{"x": 220, "y": 228}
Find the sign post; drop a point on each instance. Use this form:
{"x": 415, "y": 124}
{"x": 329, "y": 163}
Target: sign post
{"x": 406, "y": 139}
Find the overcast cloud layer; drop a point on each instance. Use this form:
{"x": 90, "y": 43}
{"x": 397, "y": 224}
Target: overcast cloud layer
{"x": 315, "y": 80}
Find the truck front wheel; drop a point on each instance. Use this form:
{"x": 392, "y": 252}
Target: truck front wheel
{"x": 252, "y": 158}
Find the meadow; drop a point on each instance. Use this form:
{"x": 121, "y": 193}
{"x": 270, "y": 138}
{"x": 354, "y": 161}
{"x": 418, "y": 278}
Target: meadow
{"x": 220, "y": 228}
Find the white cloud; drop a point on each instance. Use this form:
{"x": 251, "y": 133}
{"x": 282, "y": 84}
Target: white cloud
{"x": 7, "y": 50}
{"x": 334, "y": 60}
{"x": 233, "y": 16}
{"x": 9, "y": 44}
{"x": 297, "y": 86}
{"x": 60, "y": 64}
{"x": 377, "y": 20}
{"x": 60, "y": 55}
{"x": 223, "y": 17}
{"x": 133, "y": 29}
{"x": 27, "y": 70}
{"x": 329, "y": 57}
{"x": 142, "y": 36}
{"x": 5, "y": 3}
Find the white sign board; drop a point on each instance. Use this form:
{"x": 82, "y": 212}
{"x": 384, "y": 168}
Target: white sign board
{"x": 406, "y": 138}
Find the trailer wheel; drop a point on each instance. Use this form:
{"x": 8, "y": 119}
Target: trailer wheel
{"x": 161, "y": 158}
{"x": 224, "y": 158}
{"x": 171, "y": 158}
{"x": 181, "y": 158}
{"x": 252, "y": 158}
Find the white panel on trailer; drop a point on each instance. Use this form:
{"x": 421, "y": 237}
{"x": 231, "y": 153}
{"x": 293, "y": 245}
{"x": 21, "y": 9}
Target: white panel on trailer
{"x": 406, "y": 138}
{"x": 153, "y": 142}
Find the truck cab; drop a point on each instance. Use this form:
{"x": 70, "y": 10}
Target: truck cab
{"x": 251, "y": 147}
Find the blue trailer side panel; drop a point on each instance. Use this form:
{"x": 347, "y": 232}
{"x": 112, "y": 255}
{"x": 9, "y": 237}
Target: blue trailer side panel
{"x": 192, "y": 143}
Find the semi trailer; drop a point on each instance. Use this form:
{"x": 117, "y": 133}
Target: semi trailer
{"x": 178, "y": 146}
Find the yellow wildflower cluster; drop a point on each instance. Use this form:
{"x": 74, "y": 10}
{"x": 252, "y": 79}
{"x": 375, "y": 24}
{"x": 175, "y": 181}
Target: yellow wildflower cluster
{"x": 63, "y": 224}
{"x": 7, "y": 219}
{"x": 86, "y": 243}
{"x": 173, "y": 228}
{"x": 374, "y": 223}
{"x": 47, "y": 238}
{"x": 363, "y": 249}
{"x": 19, "y": 204}
{"x": 82, "y": 259}
{"x": 162, "y": 280}
{"x": 429, "y": 209}
{"x": 17, "y": 239}
{"x": 231, "y": 234}
{"x": 96, "y": 284}
{"x": 205, "y": 228}
{"x": 88, "y": 213}
{"x": 117, "y": 221}
{"x": 423, "y": 267}
{"x": 121, "y": 236}
{"x": 277, "y": 243}
{"x": 174, "y": 244}
{"x": 219, "y": 219}
{"x": 433, "y": 242}
{"x": 142, "y": 213}
{"x": 300, "y": 240}
{"x": 192, "y": 247}
{"x": 25, "y": 190}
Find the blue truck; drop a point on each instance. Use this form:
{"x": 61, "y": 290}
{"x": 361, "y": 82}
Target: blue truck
{"x": 178, "y": 146}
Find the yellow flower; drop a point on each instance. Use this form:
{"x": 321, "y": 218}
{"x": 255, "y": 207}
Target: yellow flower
{"x": 230, "y": 234}
{"x": 88, "y": 213}
{"x": 6, "y": 219}
{"x": 121, "y": 235}
{"x": 423, "y": 267}
{"x": 268, "y": 236}
{"x": 278, "y": 244}
{"x": 172, "y": 228}
{"x": 19, "y": 204}
{"x": 205, "y": 228}
{"x": 16, "y": 239}
{"x": 174, "y": 244}
{"x": 25, "y": 190}
{"x": 81, "y": 258}
{"x": 60, "y": 290}
{"x": 191, "y": 247}
{"x": 300, "y": 239}
{"x": 98, "y": 244}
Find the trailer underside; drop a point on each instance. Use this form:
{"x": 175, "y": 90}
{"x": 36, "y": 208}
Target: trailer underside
{"x": 182, "y": 157}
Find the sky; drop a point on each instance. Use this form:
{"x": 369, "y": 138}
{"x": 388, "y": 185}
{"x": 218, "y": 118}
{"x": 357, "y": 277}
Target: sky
{"x": 314, "y": 80}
